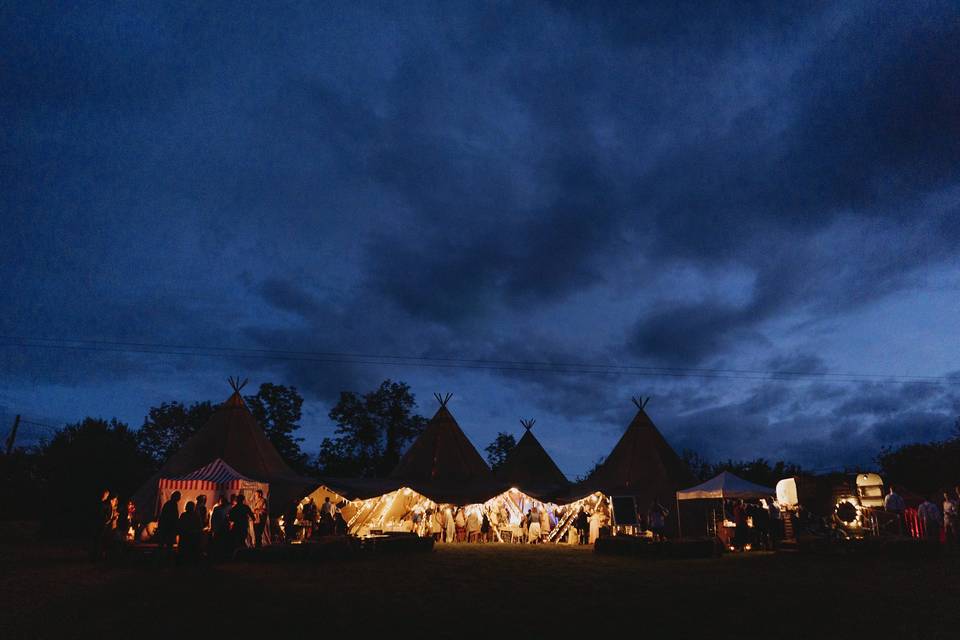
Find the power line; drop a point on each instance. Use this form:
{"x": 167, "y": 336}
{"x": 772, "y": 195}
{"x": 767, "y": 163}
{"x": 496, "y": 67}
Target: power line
{"x": 520, "y": 366}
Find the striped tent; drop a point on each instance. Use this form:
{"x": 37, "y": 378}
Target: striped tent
{"x": 212, "y": 480}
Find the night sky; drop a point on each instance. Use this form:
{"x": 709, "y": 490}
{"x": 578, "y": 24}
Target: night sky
{"x": 751, "y": 199}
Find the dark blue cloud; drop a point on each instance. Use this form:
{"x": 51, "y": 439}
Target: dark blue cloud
{"x": 727, "y": 185}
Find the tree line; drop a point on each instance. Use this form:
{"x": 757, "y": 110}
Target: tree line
{"x": 54, "y": 481}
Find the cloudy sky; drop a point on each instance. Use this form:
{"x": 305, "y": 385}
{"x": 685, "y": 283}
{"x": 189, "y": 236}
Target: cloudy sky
{"x": 720, "y": 207}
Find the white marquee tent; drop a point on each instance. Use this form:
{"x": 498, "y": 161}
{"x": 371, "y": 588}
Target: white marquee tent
{"x": 725, "y": 486}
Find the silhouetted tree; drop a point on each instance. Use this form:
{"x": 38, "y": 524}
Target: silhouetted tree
{"x": 592, "y": 471}
{"x": 922, "y": 467}
{"x": 168, "y": 426}
{"x": 498, "y": 450}
{"x": 372, "y": 431}
{"x": 758, "y": 471}
{"x": 21, "y": 484}
{"x": 277, "y": 409}
{"x": 80, "y": 461}
{"x": 699, "y": 466}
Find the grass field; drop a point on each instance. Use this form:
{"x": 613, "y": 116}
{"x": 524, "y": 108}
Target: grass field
{"x": 491, "y": 591}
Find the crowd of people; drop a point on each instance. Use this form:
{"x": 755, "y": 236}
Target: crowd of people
{"x": 306, "y": 521}
{"x": 112, "y": 524}
{"x": 757, "y": 523}
{"x": 937, "y": 519}
{"x": 199, "y": 531}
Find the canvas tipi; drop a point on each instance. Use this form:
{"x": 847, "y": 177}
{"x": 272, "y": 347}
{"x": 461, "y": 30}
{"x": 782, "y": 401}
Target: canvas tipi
{"x": 530, "y": 468}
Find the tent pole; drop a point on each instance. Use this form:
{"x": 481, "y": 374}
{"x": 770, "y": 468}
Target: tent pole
{"x": 679, "y": 524}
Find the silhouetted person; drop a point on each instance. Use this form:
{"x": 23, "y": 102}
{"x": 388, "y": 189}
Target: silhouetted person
{"x": 339, "y": 524}
{"x": 290, "y": 524}
{"x": 190, "y": 529}
{"x": 657, "y": 520}
{"x": 741, "y": 533}
{"x": 99, "y": 518}
{"x": 582, "y": 525}
{"x": 240, "y": 517}
{"x": 220, "y": 526}
{"x": 929, "y": 515}
{"x": 309, "y": 519}
{"x": 950, "y": 509}
{"x": 260, "y": 517}
{"x": 169, "y": 523}
{"x": 893, "y": 503}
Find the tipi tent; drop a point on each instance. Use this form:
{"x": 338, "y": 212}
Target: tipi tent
{"x": 641, "y": 464}
{"x": 443, "y": 465}
{"x": 530, "y": 468}
{"x": 726, "y": 485}
{"x": 232, "y": 435}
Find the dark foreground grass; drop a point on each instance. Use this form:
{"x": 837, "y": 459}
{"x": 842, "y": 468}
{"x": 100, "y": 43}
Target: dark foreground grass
{"x": 489, "y": 591}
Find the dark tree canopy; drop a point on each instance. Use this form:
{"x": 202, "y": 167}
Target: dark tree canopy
{"x": 759, "y": 471}
{"x": 277, "y": 409}
{"x": 372, "y": 431}
{"x": 592, "y": 471}
{"x": 498, "y": 450}
{"x": 168, "y": 426}
{"x": 82, "y": 460}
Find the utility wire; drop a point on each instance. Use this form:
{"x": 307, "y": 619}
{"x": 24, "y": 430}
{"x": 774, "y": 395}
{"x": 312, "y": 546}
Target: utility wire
{"x": 458, "y": 363}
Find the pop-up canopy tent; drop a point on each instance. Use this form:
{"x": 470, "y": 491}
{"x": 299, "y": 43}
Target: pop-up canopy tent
{"x": 725, "y": 486}
{"x": 212, "y": 480}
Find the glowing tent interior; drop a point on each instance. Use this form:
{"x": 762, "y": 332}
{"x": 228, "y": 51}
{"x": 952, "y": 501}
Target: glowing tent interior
{"x": 442, "y": 474}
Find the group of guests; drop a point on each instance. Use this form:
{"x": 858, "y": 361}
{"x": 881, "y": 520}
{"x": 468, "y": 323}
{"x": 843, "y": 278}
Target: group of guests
{"x": 932, "y": 518}
{"x": 112, "y": 524}
{"x": 308, "y": 521}
{"x": 460, "y": 525}
{"x": 450, "y": 524}
{"x": 756, "y": 523}
{"x": 199, "y": 531}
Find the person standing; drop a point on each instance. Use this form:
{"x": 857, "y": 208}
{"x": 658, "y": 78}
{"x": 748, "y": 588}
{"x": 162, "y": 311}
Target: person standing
{"x": 309, "y": 519}
{"x": 259, "y": 517}
{"x": 220, "y": 526}
{"x": 203, "y": 514}
{"x": 450, "y": 522}
{"x": 582, "y": 524}
{"x": 168, "y": 524}
{"x": 544, "y": 522}
{"x": 98, "y": 521}
{"x": 656, "y": 520}
{"x": 741, "y": 534}
{"x": 595, "y": 520}
{"x": 929, "y": 516}
{"x": 190, "y": 528}
{"x": 894, "y": 504}
{"x": 949, "y": 518}
{"x": 533, "y": 526}
{"x": 461, "y": 525}
{"x": 240, "y": 517}
{"x": 473, "y": 526}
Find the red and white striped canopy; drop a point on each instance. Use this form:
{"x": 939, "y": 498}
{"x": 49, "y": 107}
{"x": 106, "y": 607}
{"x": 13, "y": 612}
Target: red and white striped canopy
{"x": 216, "y": 475}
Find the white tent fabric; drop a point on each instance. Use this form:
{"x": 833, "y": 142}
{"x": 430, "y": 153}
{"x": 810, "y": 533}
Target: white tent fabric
{"x": 725, "y": 485}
